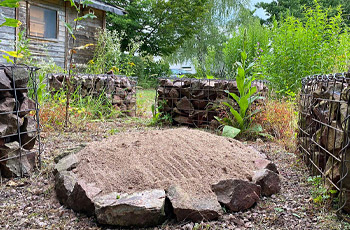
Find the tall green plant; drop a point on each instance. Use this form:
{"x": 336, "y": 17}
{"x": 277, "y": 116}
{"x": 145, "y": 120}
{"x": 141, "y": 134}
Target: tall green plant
{"x": 239, "y": 120}
{"x": 318, "y": 44}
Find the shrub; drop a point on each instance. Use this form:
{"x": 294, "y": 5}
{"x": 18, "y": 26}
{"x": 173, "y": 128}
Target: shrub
{"x": 279, "y": 119}
{"x": 318, "y": 44}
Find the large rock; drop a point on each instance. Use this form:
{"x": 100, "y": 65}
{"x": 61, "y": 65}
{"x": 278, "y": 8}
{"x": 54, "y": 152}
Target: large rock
{"x": 67, "y": 163}
{"x": 29, "y": 133}
{"x": 5, "y": 82}
{"x": 64, "y": 184}
{"x": 266, "y": 164}
{"x": 185, "y": 105}
{"x": 140, "y": 209}
{"x": 80, "y": 199}
{"x": 15, "y": 165}
{"x": 191, "y": 208}
{"x": 269, "y": 181}
{"x": 8, "y": 124}
{"x": 7, "y": 105}
{"x": 333, "y": 137}
{"x": 26, "y": 106}
{"x": 237, "y": 195}
{"x": 20, "y": 75}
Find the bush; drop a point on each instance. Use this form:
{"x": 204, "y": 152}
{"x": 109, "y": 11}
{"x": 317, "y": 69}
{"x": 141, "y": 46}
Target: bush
{"x": 319, "y": 44}
{"x": 279, "y": 119}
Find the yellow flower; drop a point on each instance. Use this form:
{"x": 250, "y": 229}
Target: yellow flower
{"x": 114, "y": 69}
{"x": 91, "y": 62}
{"x": 131, "y": 63}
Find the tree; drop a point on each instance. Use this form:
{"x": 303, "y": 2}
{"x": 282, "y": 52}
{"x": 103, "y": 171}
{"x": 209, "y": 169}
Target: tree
{"x": 282, "y": 8}
{"x": 205, "y": 47}
{"x": 160, "y": 25}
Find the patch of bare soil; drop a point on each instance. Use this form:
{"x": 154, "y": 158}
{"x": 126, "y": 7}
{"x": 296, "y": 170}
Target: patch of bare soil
{"x": 156, "y": 159}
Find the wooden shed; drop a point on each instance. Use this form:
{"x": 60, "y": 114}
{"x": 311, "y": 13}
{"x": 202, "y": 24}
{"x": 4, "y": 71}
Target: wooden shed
{"x": 43, "y": 21}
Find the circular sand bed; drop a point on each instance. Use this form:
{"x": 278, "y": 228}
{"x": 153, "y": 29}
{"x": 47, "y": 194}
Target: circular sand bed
{"x": 192, "y": 159}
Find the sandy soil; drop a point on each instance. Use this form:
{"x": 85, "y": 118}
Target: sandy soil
{"x": 193, "y": 159}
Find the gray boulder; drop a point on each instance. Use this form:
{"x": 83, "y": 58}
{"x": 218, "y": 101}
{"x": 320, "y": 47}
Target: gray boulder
{"x": 19, "y": 74}
{"x": 26, "y": 106}
{"x": 7, "y": 105}
{"x": 8, "y": 124}
{"x": 67, "y": 163}
{"x": 80, "y": 199}
{"x": 190, "y": 208}
{"x": 5, "y": 82}
{"x": 269, "y": 182}
{"x": 266, "y": 164}
{"x": 64, "y": 184}
{"x": 237, "y": 195}
{"x": 29, "y": 133}
{"x": 15, "y": 165}
{"x": 140, "y": 209}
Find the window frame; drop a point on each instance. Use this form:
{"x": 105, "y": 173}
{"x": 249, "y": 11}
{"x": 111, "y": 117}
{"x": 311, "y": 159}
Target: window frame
{"x": 28, "y": 22}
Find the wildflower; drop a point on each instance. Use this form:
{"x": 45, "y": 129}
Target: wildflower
{"x": 91, "y": 62}
{"x": 131, "y": 63}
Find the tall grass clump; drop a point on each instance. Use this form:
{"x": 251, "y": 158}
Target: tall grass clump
{"x": 317, "y": 44}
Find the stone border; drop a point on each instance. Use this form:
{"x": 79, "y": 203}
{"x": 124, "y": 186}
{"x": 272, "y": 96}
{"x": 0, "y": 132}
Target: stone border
{"x": 152, "y": 207}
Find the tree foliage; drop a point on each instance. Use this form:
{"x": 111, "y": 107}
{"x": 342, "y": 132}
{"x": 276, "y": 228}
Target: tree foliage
{"x": 160, "y": 25}
{"x": 205, "y": 48}
{"x": 282, "y": 8}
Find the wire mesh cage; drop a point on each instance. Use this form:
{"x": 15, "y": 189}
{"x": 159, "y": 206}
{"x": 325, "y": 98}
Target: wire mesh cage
{"x": 324, "y": 131}
{"x": 20, "y": 147}
{"x": 196, "y": 102}
{"x": 119, "y": 91}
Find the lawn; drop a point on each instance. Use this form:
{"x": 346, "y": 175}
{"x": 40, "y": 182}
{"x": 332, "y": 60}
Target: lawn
{"x": 145, "y": 98}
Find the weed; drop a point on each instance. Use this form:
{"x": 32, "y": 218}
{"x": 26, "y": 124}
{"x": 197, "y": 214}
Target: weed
{"x": 159, "y": 117}
{"x": 240, "y": 118}
{"x": 320, "y": 195}
{"x": 279, "y": 119}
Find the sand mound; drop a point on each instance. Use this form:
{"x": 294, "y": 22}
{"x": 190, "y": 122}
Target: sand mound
{"x": 136, "y": 161}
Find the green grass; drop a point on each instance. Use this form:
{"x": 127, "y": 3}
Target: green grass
{"x": 145, "y": 99}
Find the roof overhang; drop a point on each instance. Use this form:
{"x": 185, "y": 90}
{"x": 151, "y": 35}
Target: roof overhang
{"x": 105, "y": 7}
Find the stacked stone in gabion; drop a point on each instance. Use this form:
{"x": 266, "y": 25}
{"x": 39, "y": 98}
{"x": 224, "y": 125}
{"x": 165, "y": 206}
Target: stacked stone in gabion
{"x": 18, "y": 128}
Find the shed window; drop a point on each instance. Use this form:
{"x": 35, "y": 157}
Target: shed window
{"x": 43, "y": 22}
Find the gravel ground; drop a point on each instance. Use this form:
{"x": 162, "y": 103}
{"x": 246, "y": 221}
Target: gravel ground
{"x": 30, "y": 203}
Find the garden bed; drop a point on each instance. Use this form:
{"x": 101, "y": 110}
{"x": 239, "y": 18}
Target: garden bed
{"x": 163, "y": 173}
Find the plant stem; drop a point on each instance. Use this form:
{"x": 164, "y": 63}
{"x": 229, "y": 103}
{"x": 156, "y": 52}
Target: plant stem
{"x": 70, "y": 72}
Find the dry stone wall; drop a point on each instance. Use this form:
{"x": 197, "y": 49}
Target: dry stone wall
{"x": 120, "y": 90}
{"x": 196, "y": 102}
{"x": 324, "y": 130}
{"x": 18, "y": 121}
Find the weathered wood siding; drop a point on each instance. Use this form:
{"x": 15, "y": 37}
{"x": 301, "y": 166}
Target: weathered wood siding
{"x": 42, "y": 49}
{"x": 47, "y": 49}
{"x": 86, "y": 35}
{"x": 7, "y": 34}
